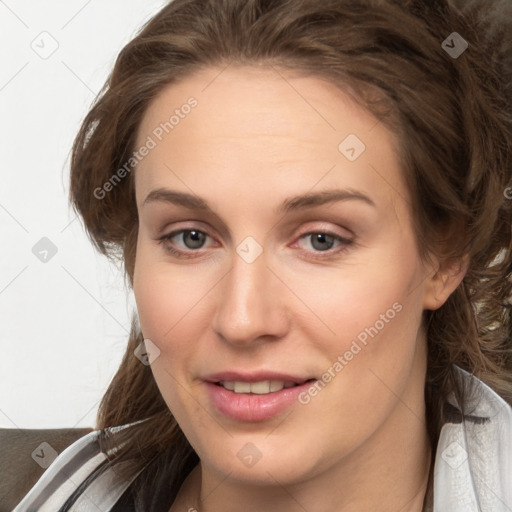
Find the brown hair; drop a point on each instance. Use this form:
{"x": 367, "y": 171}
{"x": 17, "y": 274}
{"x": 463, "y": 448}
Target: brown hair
{"x": 451, "y": 116}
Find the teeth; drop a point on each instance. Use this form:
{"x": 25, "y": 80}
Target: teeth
{"x": 276, "y": 385}
{"x": 242, "y": 387}
{"x": 258, "y": 388}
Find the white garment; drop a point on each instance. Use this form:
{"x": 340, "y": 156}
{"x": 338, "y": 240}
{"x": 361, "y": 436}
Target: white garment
{"x": 472, "y": 471}
{"x": 473, "y": 464}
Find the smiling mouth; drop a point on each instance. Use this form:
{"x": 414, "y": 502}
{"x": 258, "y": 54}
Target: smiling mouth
{"x": 253, "y": 398}
{"x": 259, "y": 388}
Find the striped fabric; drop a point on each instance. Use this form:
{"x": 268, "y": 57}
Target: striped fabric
{"x": 71, "y": 469}
{"x": 472, "y": 467}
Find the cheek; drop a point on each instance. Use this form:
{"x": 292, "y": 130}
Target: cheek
{"x": 160, "y": 304}
{"x": 169, "y": 305}
{"x": 366, "y": 300}
{"x": 373, "y": 312}
{"x": 166, "y": 295}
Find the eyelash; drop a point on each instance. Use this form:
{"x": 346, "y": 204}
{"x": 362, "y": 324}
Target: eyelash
{"x": 345, "y": 243}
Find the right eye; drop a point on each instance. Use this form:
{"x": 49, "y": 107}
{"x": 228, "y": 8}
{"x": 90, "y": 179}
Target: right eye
{"x": 191, "y": 239}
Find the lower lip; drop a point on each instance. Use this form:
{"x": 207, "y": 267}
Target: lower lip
{"x": 253, "y": 407}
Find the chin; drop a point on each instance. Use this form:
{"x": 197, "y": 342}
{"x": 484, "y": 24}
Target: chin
{"x": 257, "y": 459}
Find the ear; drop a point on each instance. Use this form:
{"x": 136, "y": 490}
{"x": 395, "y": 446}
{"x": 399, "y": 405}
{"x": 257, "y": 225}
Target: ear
{"x": 443, "y": 281}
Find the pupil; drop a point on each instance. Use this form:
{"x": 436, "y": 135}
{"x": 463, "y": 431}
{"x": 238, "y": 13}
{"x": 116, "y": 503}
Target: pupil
{"x": 195, "y": 238}
{"x": 322, "y": 238}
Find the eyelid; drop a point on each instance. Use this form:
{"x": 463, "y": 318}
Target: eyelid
{"x": 313, "y": 229}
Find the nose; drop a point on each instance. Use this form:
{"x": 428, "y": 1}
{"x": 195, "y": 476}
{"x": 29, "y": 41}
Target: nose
{"x": 252, "y": 305}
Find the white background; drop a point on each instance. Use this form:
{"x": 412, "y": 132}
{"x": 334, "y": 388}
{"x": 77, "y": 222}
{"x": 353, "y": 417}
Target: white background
{"x": 64, "y": 322}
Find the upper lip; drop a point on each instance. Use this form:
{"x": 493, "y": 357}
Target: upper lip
{"x": 259, "y": 376}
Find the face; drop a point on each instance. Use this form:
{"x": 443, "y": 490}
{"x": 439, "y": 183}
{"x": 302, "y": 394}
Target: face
{"x": 277, "y": 273}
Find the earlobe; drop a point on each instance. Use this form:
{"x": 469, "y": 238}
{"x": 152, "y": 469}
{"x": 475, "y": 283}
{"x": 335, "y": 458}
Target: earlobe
{"x": 442, "y": 282}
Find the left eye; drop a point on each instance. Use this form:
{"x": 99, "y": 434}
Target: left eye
{"x": 321, "y": 241}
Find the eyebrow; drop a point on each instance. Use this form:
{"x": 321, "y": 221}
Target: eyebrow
{"x": 290, "y": 204}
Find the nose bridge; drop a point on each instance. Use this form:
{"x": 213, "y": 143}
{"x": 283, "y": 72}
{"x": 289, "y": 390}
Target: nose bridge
{"x": 250, "y": 304}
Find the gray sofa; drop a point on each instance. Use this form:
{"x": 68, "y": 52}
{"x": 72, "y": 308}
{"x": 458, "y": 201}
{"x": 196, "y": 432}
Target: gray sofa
{"x": 24, "y": 456}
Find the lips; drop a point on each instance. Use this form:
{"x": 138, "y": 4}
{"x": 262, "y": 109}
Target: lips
{"x": 254, "y": 397}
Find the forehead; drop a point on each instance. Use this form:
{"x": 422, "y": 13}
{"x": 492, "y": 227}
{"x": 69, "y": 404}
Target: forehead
{"x": 261, "y": 102}
{"x": 253, "y": 123}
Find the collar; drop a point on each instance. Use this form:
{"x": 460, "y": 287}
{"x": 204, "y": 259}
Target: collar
{"x": 473, "y": 464}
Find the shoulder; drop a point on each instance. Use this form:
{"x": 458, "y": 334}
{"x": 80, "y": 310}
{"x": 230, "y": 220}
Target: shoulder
{"x": 81, "y": 465}
{"x": 473, "y": 465}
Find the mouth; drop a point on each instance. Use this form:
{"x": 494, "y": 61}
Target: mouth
{"x": 255, "y": 397}
{"x": 263, "y": 387}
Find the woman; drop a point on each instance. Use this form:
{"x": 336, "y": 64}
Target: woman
{"x": 311, "y": 201}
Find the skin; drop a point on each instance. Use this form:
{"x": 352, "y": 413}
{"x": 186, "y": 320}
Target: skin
{"x": 256, "y": 138}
